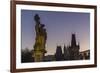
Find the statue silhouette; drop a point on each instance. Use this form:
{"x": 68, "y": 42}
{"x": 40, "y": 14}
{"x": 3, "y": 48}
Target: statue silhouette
{"x": 40, "y": 40}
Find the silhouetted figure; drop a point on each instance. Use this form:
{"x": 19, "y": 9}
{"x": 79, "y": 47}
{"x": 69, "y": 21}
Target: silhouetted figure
{"x": 37, "y": 19}
{"x": 40, "y": 40}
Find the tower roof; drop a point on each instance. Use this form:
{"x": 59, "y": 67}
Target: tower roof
{"x": 73, "y": 40}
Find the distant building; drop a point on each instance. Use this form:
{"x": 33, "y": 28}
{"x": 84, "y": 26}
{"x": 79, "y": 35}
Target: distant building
{"x": 72, "y": 51}
{"x": 59, "y": 54}
{"x": 66, "y": 53}
{"x": 85, "y": 54}
{"x": 49, "y": 58}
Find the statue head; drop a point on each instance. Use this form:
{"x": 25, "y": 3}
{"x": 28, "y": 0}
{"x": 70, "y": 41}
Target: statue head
{"x": 36, "y": 17}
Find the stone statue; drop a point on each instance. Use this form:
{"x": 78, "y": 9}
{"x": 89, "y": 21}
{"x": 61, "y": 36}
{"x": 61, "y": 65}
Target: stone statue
{"x": 40, "y": 40}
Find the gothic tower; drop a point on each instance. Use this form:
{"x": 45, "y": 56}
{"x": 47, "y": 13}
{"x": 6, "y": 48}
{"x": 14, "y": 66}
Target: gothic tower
{"x": 59, "y": 54}
{"x": 66, "y": 53}
{"x": 74, "y": 48}
{"x": 73, "y": 40}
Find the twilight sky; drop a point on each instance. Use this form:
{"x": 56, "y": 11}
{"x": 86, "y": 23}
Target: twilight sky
{"x": 59, "y": 26}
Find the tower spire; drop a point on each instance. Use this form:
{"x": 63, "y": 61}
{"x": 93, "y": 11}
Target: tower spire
{"x": 73, "y": 40}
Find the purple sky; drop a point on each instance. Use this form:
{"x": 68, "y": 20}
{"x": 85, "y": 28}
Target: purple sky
{"x": 59, "y": 26}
